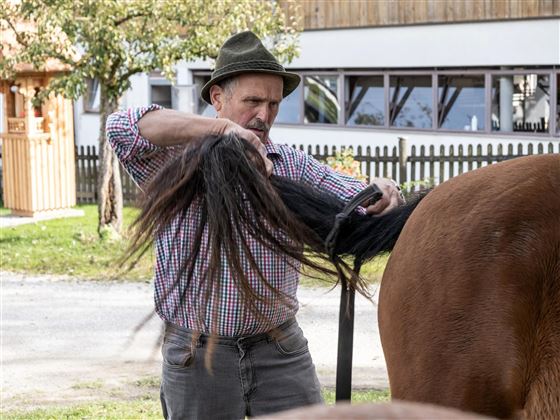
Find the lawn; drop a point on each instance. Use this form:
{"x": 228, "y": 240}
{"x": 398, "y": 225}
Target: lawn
{"x": 69, "y": 246}
{"x": 72, "y": 247}
{"x": 148, "y": 407}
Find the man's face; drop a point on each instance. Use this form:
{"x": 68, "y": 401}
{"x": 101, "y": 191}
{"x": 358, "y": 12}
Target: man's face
{"x": 252, "y": 102}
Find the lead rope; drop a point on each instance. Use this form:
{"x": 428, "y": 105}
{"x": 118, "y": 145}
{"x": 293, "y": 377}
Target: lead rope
{"x": 372, "y": 194}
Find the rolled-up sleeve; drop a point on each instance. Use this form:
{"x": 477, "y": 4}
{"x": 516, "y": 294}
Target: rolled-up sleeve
{"x": 141, "y": 158}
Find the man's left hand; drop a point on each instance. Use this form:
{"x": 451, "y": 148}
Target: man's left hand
{"x": 392, "y": 197}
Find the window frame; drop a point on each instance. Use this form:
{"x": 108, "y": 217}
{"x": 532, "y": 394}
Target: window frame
{"x": 487, "y": 96}
{"x": 87, "y": 96}
{"x": 488, "y": 73}
{"x": 339, "y": 91}
{"x": 552, "y": 100}
{"x": 388, "y": 87}
{"x": 345, "y": 104}
{"x": 158, "y": 80}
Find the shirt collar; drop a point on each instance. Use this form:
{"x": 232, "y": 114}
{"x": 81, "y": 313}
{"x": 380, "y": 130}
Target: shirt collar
{"x": 272, "y": 149}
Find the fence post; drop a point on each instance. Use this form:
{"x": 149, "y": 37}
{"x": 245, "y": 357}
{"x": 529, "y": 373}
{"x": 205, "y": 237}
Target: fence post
{"x": 403, "y": 157}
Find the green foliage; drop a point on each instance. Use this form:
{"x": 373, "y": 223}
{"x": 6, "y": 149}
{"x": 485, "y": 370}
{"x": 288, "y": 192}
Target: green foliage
{"x": 408, "y": 188}
{"x": 70, "y": 246}
{"x": 112, "y": 40}
{"x": 345, "y": 163}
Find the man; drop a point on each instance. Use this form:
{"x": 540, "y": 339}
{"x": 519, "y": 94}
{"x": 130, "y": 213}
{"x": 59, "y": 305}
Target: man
{"x": 255, "y": 370}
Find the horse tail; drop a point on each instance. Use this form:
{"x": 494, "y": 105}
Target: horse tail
{"x": 361, "y": 236}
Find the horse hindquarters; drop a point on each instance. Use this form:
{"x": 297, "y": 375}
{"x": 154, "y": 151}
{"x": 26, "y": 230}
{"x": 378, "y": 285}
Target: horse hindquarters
{"x": 469, "y": 302}
{"x": 543, "y": 373}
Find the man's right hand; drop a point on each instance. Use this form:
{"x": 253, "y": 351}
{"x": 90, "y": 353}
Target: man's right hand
{"x": 167, "y": 127}
{"x": 226, "y": 126}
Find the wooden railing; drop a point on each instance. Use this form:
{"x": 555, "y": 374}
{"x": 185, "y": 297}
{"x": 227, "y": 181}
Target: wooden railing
{"x": 19, "y": 125}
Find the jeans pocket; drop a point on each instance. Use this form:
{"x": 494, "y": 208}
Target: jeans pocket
{"x": 177, "y": 355}
{"x": 291, "y": 343}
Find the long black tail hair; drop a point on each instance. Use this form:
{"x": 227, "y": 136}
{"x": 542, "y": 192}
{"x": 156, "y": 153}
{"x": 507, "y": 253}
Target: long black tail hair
{"x": 225, "y": 177}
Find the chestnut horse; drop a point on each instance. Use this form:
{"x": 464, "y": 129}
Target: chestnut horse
{"x": 469, "y": 306}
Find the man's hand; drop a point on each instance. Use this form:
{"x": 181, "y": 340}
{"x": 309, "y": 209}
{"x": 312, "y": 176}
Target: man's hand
{"x": 231, "y": 127}
{"x": 392, "y": 197}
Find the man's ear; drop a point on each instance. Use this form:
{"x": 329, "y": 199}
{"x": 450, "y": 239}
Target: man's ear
{"x": 217, "y": 97}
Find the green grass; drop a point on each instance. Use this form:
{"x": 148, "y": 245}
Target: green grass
{"x": 88, "y": 385}
{"x": 69, "y": 246}
{"x": 148, "y": 407}
{"x": 118, "y": 410}
{"x": 360, "y": 396}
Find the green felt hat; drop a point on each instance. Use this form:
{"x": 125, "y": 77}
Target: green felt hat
{"x": 245, "y": 53}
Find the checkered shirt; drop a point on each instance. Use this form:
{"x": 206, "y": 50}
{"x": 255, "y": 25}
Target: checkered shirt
{"x": 223, "y": 314}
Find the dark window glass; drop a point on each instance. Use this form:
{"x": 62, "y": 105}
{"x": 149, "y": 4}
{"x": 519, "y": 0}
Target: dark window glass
{"x": 410, "y": 101}
{"x": 92, "y": 96}
{"x": 321, "y": 99}
{"x": 461, "y": 102}
{"x": 520, "y": 103}
{"x": 366, "y": 104}
{"x": 202, "y": 107}
{"x": 290, "y": 108}
{"x": 161, "y": 95}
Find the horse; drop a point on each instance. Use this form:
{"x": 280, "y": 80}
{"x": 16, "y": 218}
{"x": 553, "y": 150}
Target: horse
{"x": 469, "y": 303}
{"x": 469, "y": 307}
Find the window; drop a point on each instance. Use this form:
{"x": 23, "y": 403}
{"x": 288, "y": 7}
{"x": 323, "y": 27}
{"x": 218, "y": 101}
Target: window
{"x": 467, "y": 100}
{"x": 365, "y": 101}
{"x": 290, "y": 108}
{"x": 92, "y": 96}
{"x": 461, "y": 102}
{"x": 202, "y": 108}
{"x": 520, "y": 103}
{"x": 410, "y": 101}
{"x": 161, "y": 95}
{"x": 321, "y": 99}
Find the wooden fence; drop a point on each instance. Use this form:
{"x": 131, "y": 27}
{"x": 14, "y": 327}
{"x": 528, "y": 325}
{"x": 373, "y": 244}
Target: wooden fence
{"x": 86, "y": 178}
{"x": 423, "y": 166}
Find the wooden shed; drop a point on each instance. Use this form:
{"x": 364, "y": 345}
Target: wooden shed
{"x": 38, "y": 162}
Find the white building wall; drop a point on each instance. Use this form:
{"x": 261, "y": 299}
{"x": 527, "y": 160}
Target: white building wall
{"x": 334, "y": 136}
{"x": 507, "y": 43}
{"x": 86, "y": 125}
{"x": 524, "y": 42}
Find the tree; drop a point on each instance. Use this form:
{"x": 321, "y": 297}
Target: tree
{"x": 111, "y": 40}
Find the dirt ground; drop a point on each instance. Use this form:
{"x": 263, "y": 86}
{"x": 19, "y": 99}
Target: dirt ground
{"x": 66, "y": 341}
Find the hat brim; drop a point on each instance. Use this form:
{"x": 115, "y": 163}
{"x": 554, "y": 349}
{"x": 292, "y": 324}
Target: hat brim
{"x": 291, "y": 81}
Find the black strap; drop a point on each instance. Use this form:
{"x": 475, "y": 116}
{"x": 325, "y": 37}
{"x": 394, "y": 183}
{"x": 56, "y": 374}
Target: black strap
{"x": 347, "y": 296}
{"x": 370, "y": 194}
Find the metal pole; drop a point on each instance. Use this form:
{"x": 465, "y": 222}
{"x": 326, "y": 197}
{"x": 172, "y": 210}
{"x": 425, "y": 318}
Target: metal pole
{"x": 345, "y": 344}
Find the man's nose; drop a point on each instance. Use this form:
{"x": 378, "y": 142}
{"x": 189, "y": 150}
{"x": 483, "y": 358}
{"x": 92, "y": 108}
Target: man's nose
{"x": 263, "y": 113}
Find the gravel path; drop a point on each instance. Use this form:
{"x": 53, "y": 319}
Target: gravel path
{"x": 64, "y": 339}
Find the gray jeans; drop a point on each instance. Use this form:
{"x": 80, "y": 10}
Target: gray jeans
{"x": 250, "y": 376}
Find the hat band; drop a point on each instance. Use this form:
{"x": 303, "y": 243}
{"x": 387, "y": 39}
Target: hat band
{"x": 256, "y": 65}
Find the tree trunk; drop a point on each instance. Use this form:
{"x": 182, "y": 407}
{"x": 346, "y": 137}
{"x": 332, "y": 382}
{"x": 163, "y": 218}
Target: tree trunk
{"x": 109, "y": 188}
